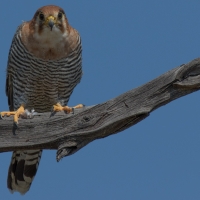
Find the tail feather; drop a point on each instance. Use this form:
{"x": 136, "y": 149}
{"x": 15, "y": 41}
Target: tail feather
{"x": 22, "y": 170}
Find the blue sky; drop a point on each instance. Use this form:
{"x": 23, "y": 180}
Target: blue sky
{"x": 125, "y": 44}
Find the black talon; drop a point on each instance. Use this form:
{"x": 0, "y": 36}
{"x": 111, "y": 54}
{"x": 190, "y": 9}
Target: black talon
{"x": 52, "y": 109}
{"x": 15, "y": 126}
{"x": 52, "y": 112}
{"x": 1, "y": 117}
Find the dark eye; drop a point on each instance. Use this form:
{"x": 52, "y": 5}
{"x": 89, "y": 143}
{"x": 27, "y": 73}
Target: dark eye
{"x": 41, "y": 16}
{"x": 60, "y": 15}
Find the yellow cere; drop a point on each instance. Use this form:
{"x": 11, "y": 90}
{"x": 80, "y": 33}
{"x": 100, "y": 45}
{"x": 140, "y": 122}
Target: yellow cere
{"x": 50, "y": 18}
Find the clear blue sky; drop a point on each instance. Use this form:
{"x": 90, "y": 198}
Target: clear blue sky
{"x": 125, "y": 44}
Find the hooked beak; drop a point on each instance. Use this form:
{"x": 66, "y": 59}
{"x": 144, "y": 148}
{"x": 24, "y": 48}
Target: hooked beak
{"x": 51, "y": 22}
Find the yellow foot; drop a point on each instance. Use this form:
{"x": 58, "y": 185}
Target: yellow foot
{"x": 15, "y": 113}
{"x": 58, "y": 107}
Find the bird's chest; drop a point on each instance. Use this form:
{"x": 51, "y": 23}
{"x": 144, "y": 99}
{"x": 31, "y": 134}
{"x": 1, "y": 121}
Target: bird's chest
{"x": 47, "y": 49}
{"x": 45, "y": 83}
{"x": 48, "y": 80}
{"x": 48, "y": 46}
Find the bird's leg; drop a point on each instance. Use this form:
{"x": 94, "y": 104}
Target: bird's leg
{"x": 58, "y": 108}
{"x": 16, "y": 113}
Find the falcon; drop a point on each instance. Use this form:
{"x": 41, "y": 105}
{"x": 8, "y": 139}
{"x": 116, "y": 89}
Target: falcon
{"x": 44, "y": 66}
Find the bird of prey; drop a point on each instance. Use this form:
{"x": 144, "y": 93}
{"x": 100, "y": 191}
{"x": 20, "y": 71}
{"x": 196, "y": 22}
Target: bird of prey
{"x": 44, "y": 66}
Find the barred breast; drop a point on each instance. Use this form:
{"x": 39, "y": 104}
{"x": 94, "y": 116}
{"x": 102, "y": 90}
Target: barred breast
{"x": 38, "y": 83}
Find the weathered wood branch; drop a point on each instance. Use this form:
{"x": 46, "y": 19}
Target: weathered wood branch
{"x": 70, "y": 132}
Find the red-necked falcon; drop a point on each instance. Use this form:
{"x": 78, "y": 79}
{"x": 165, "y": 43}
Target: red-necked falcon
{"x": 44, "y": 66}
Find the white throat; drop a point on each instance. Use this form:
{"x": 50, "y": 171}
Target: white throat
{"x": 50, "y": 38}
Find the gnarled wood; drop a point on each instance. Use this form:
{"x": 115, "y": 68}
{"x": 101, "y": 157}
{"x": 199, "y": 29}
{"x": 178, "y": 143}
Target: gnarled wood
{"x": 70, "y": 132}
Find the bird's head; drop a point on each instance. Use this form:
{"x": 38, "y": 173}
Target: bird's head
{"x": 48, "y": 30}
{"x": 50, "y": 19}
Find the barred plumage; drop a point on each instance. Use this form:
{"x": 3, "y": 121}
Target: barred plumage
{"x": 37, "y": 83}
{"x": 22, "y": 170}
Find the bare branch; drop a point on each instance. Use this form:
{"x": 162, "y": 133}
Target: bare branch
{"x": 70, "y": 132}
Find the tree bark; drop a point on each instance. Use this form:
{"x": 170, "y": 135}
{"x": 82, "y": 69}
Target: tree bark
{"x": 70, "y": 132}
